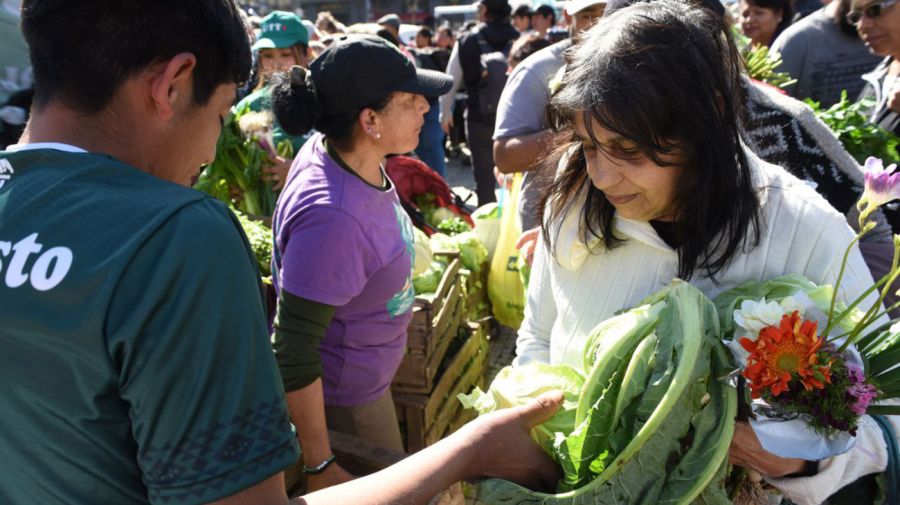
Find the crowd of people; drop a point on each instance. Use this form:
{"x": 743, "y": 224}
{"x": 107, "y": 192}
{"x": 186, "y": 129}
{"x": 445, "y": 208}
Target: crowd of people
{"x": 138, "y": 348}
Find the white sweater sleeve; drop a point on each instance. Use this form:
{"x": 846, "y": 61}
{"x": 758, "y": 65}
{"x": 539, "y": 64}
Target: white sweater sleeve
{"x": 533, "y": 343}
{"x": 869, "y": 455}
{"x": 454, "y": 68}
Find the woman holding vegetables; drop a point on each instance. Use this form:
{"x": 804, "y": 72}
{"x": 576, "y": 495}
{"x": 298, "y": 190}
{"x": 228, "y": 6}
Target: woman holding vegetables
{"x": 655, "y": 183}
{"x": 283, "y": 42}
{"x": 343, "y": 244}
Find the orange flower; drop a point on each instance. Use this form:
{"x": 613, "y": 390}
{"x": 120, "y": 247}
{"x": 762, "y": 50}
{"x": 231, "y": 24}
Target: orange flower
{"x": 783, "y": 352}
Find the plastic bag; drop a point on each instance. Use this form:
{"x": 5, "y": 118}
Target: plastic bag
{"x": 505, "y": 288}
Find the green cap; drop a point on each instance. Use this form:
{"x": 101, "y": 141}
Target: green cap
{"x": 281, "y": 29}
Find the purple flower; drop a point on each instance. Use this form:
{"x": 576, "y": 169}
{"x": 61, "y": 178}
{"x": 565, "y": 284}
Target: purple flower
{"x": 882, "y": 184}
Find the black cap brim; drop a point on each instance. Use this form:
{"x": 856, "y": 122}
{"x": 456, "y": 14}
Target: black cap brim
{"x": 427, "y": 83}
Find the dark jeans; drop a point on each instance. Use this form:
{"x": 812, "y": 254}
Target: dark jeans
{"x": 431, "y": 142}
{"x": 479, "y": 134}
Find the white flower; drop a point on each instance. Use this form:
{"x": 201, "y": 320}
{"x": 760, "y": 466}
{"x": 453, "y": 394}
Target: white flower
{"x": 255, "y": 123}
{"x": 754, "y": 315}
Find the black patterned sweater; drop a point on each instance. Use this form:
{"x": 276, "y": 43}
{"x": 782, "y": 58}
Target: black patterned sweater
{"x": 785, "y": 132}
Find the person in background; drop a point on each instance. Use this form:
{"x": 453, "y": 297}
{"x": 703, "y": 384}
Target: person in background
{"x": 283, "y": 42}
{"x": 824, "y": 53}
{"x": 521, "y": 18}
{"x": 314, "y": 34}
{"x": 543, "y": 18}
{"x": 763, "y": 20}
{"x": 625, "y": 206}
{"x": 522, "y": 137}
{"x": 878, "y": 23}
{"x": 328, "y": 25}
{"x": 525, "y": 46}
{"x": 493, "y": 34}
{"x": 391, "y": 23}
{"x": 424, "y": 38}
{"x": 15, "y": 73}
{"x": 803, "y": 8}
{"x": 431, "y": 149}
{"x": 445, "y": 40}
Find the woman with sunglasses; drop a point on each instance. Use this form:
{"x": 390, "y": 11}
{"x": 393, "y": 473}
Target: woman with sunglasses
{"x": 878, "y": 23}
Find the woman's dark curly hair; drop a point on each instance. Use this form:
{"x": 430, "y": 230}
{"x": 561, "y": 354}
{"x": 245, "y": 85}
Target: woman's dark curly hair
{"x": 658, "y": 74}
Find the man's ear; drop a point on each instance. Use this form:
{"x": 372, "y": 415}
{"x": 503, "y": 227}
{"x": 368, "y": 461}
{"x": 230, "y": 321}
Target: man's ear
{"x": 172, "y": 85}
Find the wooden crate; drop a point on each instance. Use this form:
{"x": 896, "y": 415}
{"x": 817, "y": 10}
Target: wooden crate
{"x": 435, "y": 323}
{"x": 428, "y": 418}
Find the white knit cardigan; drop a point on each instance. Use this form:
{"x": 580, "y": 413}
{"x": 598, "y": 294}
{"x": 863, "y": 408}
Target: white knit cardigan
{"x": 583, "y": 285}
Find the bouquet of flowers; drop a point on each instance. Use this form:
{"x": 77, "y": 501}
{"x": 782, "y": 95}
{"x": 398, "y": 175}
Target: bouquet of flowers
{"x": 813, "y": 365}
{"x": 244, "y": 148}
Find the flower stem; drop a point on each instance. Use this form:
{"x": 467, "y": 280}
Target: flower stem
{"x": 839, "y": 278}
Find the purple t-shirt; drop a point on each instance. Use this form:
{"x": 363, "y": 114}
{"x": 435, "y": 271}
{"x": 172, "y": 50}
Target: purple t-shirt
{"x": 341, "y": 242}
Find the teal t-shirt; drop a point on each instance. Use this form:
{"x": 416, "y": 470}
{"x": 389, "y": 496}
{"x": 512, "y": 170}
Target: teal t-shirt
{"x": 134, "y": 355}
{"x": 261, "y": 100}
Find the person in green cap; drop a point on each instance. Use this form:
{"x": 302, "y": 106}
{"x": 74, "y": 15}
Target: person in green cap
{"x": 283, "y": 42}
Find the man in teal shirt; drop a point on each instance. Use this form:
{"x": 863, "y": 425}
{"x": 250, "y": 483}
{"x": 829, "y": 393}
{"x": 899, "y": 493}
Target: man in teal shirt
{"x": 134, "y": 354}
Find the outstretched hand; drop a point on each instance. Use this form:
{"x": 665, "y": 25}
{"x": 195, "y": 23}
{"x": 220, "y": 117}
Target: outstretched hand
{"x": 503, "y": 448}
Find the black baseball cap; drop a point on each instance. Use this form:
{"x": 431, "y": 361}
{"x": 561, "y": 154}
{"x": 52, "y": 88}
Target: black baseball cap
{"x": 358, "y": 70}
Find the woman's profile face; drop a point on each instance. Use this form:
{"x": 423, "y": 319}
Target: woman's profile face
{"x": 759, "y": 23}
{"x": 635, "y": 185}
{"x": 401, "y": 121}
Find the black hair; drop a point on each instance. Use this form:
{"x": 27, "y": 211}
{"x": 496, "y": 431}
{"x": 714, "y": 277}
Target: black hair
{"x": 547, "y": 12}
{"x": 660, "y": 74}
{"x": 525, "y": 46}
{"x": 523, "y": 10}
{"x": 425, "y": 32}
{"x": 82, "y": 52}
{"x": 840, "y": 19}
{"x": 388, "y": 36}
{"x": 296, "y": 106}
{"x": 787, "y": 12}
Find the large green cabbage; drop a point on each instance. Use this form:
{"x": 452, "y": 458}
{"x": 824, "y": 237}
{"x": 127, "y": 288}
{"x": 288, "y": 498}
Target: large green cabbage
{"x": 654, "y": 418}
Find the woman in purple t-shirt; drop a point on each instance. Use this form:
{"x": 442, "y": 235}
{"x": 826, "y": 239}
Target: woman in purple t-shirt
{"x": 343, "y": 244}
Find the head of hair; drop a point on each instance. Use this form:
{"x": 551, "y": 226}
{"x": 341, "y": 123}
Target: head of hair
{"x": 547, "y": 12}
{"x": 425, "y": 31}
{"x": 82, "y": 52}
{"x": 326, "y": 22}
{"x": 388, "y": 36}
{"x": 664, "y": 75}
{"x": 840, "y": 18}
{"x": 525, "y": 46}
{"x": 446, "y": 30}
{"x": 298, "y": 110}
{"x": 496, "y": 11}
{"x": 786, "y": 7}
{"x": 522, "y": 11}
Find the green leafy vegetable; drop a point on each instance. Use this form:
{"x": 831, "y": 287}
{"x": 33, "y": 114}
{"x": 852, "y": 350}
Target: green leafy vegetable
{"x": 453, "y": 226}
{"x": 428, "y": 281}
{"x": 861, "y": 138}
{"x": 652, "y": 423}
{"x": 260, "y": 238}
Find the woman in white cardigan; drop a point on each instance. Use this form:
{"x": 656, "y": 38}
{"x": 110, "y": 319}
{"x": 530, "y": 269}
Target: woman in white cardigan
{"x": 657, "y": 184}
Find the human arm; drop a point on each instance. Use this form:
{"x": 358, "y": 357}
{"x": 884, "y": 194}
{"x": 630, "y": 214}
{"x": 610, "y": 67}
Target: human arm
{"x": 494, "y": 445}
{"x": 521, "y": 136}
{"x": 520, "y": 153}
{"x": 527, "y": 244}
{"x": 533, "y": 342}
{"x": 300, "y": 325}
{"x": 454, "y": 69}
{"x": 344, "y": 260}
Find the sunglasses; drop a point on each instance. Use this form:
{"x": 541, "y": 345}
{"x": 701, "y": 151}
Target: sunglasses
{"x": 871, "y": 11}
